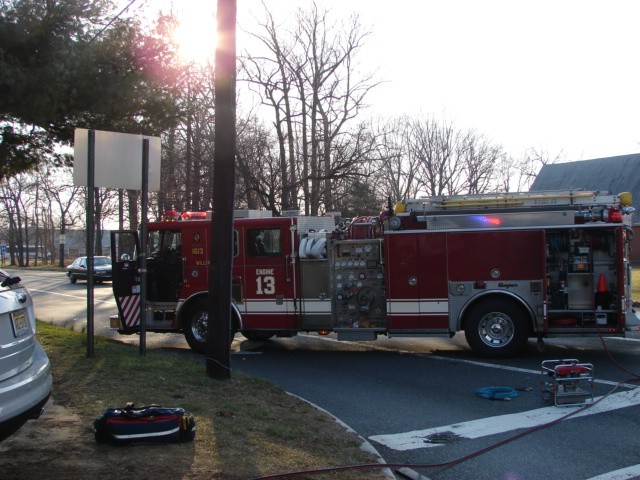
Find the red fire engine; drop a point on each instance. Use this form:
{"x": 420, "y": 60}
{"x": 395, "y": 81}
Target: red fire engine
{"x": 504, "y": 268}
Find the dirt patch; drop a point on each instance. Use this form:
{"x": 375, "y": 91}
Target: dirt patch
{"x": 60, "y": 445}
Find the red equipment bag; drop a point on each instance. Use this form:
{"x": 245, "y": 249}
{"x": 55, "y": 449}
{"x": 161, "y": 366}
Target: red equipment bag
{"x": 150, "y": 424}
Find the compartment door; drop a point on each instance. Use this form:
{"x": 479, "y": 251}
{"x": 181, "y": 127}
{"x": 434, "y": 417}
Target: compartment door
{"x": 125, "y": 247}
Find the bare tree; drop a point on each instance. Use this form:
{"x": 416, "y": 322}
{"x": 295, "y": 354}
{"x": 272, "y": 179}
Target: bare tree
{"x": 260, "y": 179}
{"x": 187, "y": 153}
{"x": 106, "y": 206}
{"x": 434, "y": 147}
{"x": 479, "y": 160}
{"x": 336, "y": 95}
{"x": 273, "y": 79}
{"x": 422, "y": 156}
{"x": 307, "y": 78}
{"x": 504, "y": 173}
{"x": 16, "y": 192}
{"x": 354, "y": 189}
{"x": 62, "y": 205}
{"x": 531, "y": 163}
{"x": 396, "y": 164}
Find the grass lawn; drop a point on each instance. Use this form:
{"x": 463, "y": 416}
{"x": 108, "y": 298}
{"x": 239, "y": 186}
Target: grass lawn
{"x": 246, "y": 427}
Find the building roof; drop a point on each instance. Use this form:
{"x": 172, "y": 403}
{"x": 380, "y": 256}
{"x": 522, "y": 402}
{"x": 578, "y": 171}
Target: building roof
{"x": 613, "y": 174}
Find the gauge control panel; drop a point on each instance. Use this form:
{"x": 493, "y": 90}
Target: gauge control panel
{"x": 357, "y": 283}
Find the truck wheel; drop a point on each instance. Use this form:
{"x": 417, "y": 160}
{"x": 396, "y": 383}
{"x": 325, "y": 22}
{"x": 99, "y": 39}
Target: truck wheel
{"x": 196, "y": 326}
{"x": 496, "y": 328}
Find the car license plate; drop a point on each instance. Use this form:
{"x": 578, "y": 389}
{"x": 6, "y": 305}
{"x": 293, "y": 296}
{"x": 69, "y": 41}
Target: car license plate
{"x": 20, "y": 322}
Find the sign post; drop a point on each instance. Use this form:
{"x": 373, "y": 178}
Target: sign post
{"x": 91, "y": 156}
{"x": 113, "y": 160}
{"x": 143, "y": 248}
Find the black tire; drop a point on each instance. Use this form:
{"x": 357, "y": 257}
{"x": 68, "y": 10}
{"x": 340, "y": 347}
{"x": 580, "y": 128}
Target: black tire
{"x": 257, "y": 335}
{"x": 196, "y": 324}
{"x": 497, "y": 328}
{"x": 72, "y": 278}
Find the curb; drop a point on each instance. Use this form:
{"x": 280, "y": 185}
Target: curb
{"x": 366, "y": 446}
{"x": 76, "y": 324}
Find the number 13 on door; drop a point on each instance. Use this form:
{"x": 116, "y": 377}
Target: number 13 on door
{"x": 265, "y": 284}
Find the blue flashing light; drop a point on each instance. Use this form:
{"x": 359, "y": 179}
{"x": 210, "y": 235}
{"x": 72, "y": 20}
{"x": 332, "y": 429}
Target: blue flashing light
{"x": 487, "y": 220}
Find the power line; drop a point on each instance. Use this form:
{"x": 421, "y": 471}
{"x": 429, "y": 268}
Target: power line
{"x": 112, "y": 20}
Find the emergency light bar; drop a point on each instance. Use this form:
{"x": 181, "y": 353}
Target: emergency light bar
{"x": 174, "y": 216}
{"x": 487, "y": 220}
{"x": 195, "y": 216}
{"x": 170, "y": 216}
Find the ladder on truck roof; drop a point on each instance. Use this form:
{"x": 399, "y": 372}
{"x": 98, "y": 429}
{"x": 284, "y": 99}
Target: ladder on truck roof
{"x": 543, "y": 200}
{"x": 517, "y": 210}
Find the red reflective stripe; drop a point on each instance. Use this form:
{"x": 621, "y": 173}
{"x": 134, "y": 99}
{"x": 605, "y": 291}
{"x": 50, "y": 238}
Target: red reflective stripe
{"x": 130, "y": 310}
{"x": 152, "y": 418}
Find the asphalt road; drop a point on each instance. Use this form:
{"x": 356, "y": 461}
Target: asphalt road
{"x": 414, "y": 399}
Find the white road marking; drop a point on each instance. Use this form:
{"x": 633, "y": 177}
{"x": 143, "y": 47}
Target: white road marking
{"x": 461, "y": 360}
{"x": 512, "y": 369}
{"x": 503, "y": 423}
{"x": 624, "y": 339}
{"x": 478, "y": 428}
{"x": 111, "y": 302}
{"x": 622, "y": 474}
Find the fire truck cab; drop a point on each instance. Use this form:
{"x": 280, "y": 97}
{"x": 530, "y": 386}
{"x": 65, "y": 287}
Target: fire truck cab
{"x": 503, "y": 268}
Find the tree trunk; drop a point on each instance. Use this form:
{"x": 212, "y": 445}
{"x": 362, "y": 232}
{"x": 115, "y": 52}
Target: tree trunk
{"x": 133, "y": 197}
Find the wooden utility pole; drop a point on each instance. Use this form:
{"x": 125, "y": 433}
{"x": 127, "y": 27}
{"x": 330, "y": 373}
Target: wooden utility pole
{"x": 219, "y": 325}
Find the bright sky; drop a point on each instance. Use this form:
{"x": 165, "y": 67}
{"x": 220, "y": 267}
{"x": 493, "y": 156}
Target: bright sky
{"x": 557, "y": 75}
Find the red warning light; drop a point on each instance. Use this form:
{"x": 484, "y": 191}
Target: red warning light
{"x": 487, "y": 220}
{"x": 614, "y": 216}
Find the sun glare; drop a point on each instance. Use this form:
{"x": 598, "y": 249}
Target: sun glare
{"x": 195, "y": 35}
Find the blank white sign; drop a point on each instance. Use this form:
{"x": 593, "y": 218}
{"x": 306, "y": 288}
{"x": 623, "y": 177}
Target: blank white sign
{"x": 118, "y": 160}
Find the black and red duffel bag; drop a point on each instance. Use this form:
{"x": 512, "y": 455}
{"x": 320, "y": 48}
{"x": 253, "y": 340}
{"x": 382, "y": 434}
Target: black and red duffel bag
{"x": 150, "y": 424}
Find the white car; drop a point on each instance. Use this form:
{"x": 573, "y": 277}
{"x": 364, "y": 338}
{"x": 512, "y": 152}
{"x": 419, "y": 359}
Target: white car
{"x": 25, "y": 372}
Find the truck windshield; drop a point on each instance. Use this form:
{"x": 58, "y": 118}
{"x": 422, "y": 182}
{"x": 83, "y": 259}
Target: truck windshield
{"x": 162, "y": 241}
{"x": 263, "y": 242}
